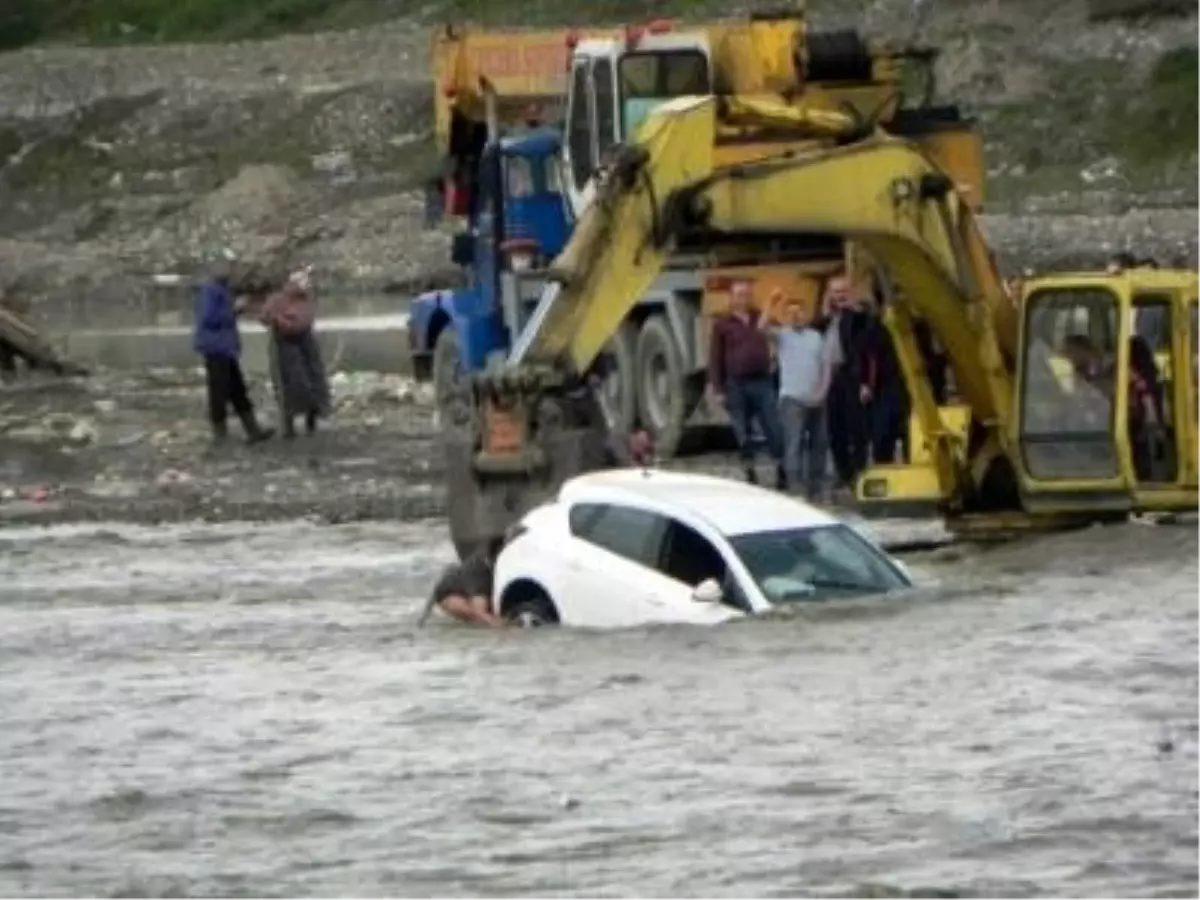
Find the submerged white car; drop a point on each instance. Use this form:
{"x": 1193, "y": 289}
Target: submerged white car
{"x": 631, "y": 547}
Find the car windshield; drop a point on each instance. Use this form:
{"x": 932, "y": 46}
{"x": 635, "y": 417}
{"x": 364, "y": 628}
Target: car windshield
{"x": 799, "y": 564}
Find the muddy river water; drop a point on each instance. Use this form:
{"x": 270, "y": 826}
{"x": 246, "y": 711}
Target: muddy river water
{"x": 230, "y": 709}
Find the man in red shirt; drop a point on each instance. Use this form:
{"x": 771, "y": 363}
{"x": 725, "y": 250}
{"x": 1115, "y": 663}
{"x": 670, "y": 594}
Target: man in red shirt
{"x": 740, "y": 378}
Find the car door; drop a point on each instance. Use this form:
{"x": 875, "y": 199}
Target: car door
{"x": 688, "y": 558}
{"x": 613, "y": 580}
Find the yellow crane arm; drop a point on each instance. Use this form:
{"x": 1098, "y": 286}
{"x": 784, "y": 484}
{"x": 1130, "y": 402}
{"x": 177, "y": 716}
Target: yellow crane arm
{"x": 621, "y": 243}
{"x": 881, "y": 192}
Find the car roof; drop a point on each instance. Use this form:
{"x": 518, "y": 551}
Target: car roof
{"x": 731, "y": 507}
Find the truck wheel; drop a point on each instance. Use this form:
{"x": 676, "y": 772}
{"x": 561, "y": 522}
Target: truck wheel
{"x": 446, "y": 373}
{"x": 618, "y": 396}
{"x": 663, "y": 395}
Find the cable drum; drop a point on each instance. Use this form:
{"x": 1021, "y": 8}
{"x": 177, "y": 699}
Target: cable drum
{"x": 839, "y": 56}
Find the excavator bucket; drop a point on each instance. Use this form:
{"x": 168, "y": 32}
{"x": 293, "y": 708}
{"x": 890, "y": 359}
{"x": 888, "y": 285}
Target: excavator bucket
{"x": 510, "y": 450}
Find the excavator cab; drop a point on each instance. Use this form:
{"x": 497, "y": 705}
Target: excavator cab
{"x": 1106, "y": 393}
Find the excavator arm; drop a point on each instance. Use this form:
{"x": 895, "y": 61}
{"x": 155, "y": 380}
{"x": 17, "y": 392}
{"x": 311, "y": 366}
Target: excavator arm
{"x": 862, "y": 184}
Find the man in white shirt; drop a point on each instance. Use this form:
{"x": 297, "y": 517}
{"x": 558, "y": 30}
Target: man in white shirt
{"x": 806, "y": 360}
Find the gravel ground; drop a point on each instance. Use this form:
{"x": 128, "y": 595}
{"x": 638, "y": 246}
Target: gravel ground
{"x": 137, "y": 449}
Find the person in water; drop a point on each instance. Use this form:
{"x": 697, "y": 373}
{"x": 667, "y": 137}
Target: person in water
{"x": 464, "y": 592}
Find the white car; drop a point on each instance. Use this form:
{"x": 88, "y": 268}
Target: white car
{"x": 630, "y": 547}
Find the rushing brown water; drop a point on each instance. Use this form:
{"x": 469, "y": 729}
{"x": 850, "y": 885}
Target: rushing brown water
{"x": 249, "y": 710}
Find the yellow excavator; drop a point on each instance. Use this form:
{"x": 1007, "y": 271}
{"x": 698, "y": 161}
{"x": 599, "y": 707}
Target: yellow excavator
{"x": 1063, "y": 428}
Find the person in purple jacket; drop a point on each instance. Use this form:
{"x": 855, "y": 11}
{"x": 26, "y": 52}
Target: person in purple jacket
{"x": 215, "y": 337}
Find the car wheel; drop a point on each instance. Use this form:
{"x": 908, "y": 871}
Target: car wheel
{"x": 533, "y": 611}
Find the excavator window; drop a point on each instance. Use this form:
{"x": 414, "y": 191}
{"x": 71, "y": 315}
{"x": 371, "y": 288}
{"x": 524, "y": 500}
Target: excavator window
{"x": 1152, "y": 371}
{"x": 519, "y": 180}
{"x": 1194, "y": 353}
{"x": 1068, "y": 384}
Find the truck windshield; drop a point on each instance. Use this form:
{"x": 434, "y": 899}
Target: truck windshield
{"x": 651, "y": 77}
{"x": 801, "y": 564}
{"x": 530, "y": 176}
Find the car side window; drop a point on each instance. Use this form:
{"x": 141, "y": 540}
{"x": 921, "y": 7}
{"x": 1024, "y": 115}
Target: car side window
{"x": 690, "y": 557}
{"x": 631, "y": 533}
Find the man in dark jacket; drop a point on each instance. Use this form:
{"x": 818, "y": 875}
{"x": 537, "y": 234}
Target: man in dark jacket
{"x": 741, "y": 378}
{"x": 215, "y": 337}
{"x": 846, "y": 403}
{"x": 886, "y": 394}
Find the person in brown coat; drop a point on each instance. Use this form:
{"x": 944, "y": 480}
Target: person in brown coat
{"x": 298, "y": 372}
{"x": 741, "y": 379}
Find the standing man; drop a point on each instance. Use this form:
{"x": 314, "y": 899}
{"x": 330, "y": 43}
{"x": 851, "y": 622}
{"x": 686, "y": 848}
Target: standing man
{"x": 805, "y": 370}
{"x": 215, "y": 337}
{"x": 887, "y": 395}
{"x": 740, "y": 378}
{"x": 847, "y": 401}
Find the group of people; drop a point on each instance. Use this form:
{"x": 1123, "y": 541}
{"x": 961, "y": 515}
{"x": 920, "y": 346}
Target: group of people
{"x": 820, "y": 382}
{"x": 298, "y": 376}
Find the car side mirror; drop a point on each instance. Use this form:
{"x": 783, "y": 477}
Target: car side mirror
{"x": 708, "y": 591}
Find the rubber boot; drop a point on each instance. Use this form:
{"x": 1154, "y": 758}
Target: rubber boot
{"x": 255, "y": 433}
{"x": 310, "y": 423}
{"x": 781, "y": 479}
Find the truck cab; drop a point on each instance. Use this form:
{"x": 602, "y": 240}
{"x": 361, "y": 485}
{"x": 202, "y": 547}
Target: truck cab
{"x": 515, "y": 220}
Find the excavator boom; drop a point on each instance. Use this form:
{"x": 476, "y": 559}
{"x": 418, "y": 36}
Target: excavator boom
{"x": 621, "y": 243}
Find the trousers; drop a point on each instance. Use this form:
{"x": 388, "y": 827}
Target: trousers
{"x": 848, "y": 435}
{"x": 750, "y": 400}
{"x": 226, "y": 388}
{"x": 805, "y": 446}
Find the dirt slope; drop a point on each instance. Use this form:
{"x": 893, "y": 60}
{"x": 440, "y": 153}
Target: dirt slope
{"x": 119, "y": 162}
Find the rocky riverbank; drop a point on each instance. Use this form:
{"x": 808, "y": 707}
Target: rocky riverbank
{"x": 137, "y": 449}
{"x": 117, "y": 163}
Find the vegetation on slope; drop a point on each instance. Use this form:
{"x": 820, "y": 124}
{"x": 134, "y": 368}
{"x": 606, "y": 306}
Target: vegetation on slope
{"x": 102, "y": 21}
{"x": 24, "y": 22}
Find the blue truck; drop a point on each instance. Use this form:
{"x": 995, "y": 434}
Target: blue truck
{"x": 516, "y": 221}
